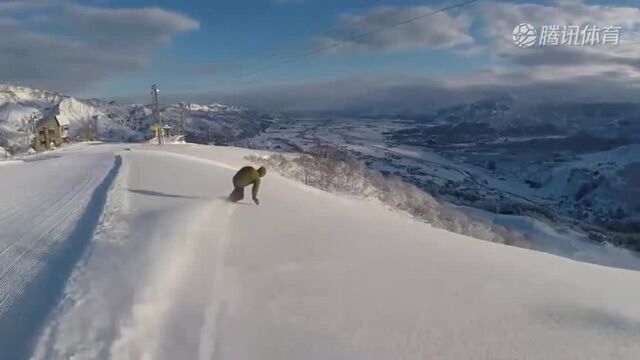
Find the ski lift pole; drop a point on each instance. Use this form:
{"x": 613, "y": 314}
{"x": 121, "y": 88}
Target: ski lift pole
{"x": 156, "y": 114}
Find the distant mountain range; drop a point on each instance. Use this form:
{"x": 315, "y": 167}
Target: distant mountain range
{"x": 506, "y": 116}
{"x": 21, "y": 106}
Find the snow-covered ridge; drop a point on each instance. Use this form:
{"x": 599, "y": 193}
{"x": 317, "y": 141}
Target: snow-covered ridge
{"x": 75, "y": 111}
{"x": 214, "y": 108}
{"x": 11, "y": 93}
{"x": 214, "y": 122}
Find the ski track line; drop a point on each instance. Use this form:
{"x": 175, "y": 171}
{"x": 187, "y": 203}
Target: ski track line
{"x": 44, "y": 212}
{"x": 39, "y": 294}
{"x": 6, "y": 288}
{"x": 173, "y": 306}
{"x": 59, "y": 206}
{"x": 49, "y": 214}
{"x": 11, "y": 209}
{"x": 41, "y": 211}
{"x": 55, "y": 340}
{"x": 209, "y": 344}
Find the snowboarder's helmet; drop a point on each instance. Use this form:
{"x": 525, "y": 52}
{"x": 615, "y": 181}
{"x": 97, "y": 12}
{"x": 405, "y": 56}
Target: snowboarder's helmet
{"x": 262, "y": 171}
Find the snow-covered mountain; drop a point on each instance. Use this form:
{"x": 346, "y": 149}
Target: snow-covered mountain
{"x": 111, "y": 255}
{"x": 507, "y": 116}
{"x": 568, "y": 163}
{"x": 20, "y": 106}
{"x": 15, "y": 94}
{"x": 571, "y": 164}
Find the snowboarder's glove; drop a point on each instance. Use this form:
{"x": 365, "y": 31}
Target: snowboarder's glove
{"x": 255, "y": 200}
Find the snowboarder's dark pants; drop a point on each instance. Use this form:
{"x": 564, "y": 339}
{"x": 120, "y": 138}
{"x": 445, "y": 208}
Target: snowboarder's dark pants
{"x": 237, "y": 194}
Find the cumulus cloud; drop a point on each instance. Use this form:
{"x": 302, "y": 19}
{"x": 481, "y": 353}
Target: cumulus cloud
{"x": 441, "y": 30}
{"x": 95, "y": 43}
{"x": 21, "y": 5}
{"x": 90, "y": 43}
{"x": 127, "y": 29}
{"x": 538, "y": 74}
{"x": 548, "y": 62}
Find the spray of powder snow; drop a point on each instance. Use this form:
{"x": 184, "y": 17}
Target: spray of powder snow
{"x": 175, "y": 314}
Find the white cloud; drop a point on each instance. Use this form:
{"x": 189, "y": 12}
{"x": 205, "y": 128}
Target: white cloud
{"x": 547, "y": 62}
{"x": 130, "y": 29}
{"x": 441, "y": 30}
{"x": 22, "y": 5}
{"x": 585, "y": 73}
{"x": 90, "y": 44}
{"x": 93, "y": 44}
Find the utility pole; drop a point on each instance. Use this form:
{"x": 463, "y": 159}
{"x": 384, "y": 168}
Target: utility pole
{"x": 182, "y": 110}
{"x": 156, "y": 114}
{"x": 210, "y": 134}
{"x": 90, "y": 134}
{"x": 32, "y": 129}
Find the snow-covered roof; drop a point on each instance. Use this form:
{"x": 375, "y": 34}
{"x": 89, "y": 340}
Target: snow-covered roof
{"x": 45, "y": 117}
{"x": 55, "y": 112}
{"x": 63, "y": 120}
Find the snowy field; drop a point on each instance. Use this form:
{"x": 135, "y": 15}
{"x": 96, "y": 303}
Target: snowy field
{"x": 130, "y": 252}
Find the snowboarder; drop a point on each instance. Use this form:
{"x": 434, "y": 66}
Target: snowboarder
{"x": 245, "y": 177}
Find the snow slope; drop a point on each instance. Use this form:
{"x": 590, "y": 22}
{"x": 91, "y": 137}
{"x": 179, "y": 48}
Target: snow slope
{"x": 49, "y": 206}
{"x": 169, "y": 270}
{"x": 560, "y": 241}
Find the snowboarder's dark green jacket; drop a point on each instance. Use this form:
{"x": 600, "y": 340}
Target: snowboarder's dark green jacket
{"x": 249, "y": 176}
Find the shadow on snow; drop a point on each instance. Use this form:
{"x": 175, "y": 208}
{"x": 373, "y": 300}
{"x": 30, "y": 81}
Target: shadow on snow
{"x": 21, "y": 325}
{"x": 161, "y": 194}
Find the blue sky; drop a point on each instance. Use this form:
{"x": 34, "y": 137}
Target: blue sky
{"x": 117, "y": 48}
{"x": 260, "y": 34}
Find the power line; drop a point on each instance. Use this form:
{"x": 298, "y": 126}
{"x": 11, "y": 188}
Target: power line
{"x": 274, "y": 53}
{"x": 357, "y": 37}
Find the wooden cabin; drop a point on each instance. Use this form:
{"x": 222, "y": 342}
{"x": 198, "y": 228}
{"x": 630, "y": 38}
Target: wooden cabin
{"x": 51, "y": 131}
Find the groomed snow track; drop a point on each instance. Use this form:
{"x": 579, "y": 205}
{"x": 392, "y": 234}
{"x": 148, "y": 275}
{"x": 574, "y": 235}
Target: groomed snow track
{"x": 36, "y": 266}
{"x": 142, "y": 258}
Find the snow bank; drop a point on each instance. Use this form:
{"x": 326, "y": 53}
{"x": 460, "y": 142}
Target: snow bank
{"x": 10, "y": 162}
{"x": 172, "y": 271}
{"x": 334, "y": 171}
{"x": 313, "y": 275}
{"x": 562, "y": 242}
{"x": 175, "y": 139}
